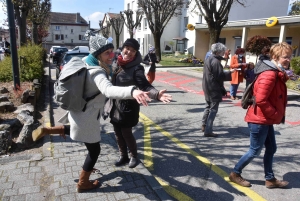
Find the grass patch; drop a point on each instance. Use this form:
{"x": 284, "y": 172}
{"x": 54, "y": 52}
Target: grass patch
{"x": 292, "y": 84}
{"x": 172, "y": 60}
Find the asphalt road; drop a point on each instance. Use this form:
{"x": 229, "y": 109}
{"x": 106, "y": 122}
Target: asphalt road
{"x": 192, "y": 167}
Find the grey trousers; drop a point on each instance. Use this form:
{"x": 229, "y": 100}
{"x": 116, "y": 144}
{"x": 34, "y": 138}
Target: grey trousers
{"x": 210, "y": 112}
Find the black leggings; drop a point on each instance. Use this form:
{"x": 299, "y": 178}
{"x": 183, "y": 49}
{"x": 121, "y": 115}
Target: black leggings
{"x": 92, "y": 156}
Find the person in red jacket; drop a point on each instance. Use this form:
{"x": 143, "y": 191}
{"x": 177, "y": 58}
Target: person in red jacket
{"x": 237, "y": 62}
{"x": 270, "y": 95}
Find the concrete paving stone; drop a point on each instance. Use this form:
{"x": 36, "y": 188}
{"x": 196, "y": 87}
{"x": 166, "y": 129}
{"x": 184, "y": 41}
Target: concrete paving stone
{"x": 140, "y": 182}
{"x": 3, "y": 179}
{"x": 72, "y": 188}
{"x": 21, "y": 183}
{"x": 55, "y": 171}
{"x": 111, "y": 197}
{"x": 29, "y": 189}
{"x": 35, "y": 169}
{"x": 58, "y": 155}
{"x": 68, "y": 182}
{"x": 87, "y": 195}
{"x": 108, "y": 189}
{"x": 150, "y": 196}
{"x": 39, "y": 175}
{"x": 10, "y": 166}
{"x": 23, "y": 164}
{"x": 25, "y": 170}
{"x": 129, "y": 178}
{"x": 18, "y": 198}
{"x": 138, "y": 190}
{"x": 59, "y": 177}
{"x": 68, "y": 170}
{"x": 33, "y": 163}
{"x": 54, "y": 186}
{"x": 69, "y": 197}
{"x": 126, "y": 186}
{"x": 65, "y": 159}
{"x": 61, "y": 165}
{"x": 10, "y": 192}
{"x": 44, "y": 163}
{"x": 5, "y": 199}
{"x": 76, "y": 168}
{"x": 121, "y": 195}
{"x": 15, "y": 171}
{"x": 77, "y": 158}
{"x": 18, "y": 177}
{"x": 35, "y": 197}
{"x": 98, "y": 197}
{"x": 70, "y": 163}
{"x": 61, "y": 191}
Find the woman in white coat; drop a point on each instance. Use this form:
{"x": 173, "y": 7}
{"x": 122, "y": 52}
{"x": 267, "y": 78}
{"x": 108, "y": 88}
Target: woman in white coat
{"x": 85, "y": 126}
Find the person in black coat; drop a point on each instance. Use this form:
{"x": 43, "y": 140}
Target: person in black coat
{"x": 213, "y": 87}
{"x": 151, "y": 59}
{"x": 124, "y": 114}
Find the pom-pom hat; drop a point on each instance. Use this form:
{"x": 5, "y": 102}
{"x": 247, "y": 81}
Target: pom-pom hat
{"x": 98, "y": 43}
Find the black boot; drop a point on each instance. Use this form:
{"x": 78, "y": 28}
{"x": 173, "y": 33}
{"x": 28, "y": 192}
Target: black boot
{"x": 122, "y": 160}
{"x": 133, "y": 162}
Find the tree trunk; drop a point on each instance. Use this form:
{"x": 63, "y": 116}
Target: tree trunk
{"x": 22, "y": 29}
{"x": 214, "y": 34}
{"x": 34, "y": 33}
{"x": 157, "y": 37}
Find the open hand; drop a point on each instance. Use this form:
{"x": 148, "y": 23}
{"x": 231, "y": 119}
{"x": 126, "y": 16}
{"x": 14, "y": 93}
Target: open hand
{"x": 141, "y": 97}
{"x": 165, "y": 98}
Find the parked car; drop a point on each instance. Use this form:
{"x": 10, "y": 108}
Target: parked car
{"x": 66, "y": 57}
{"x": 79, "y": 49}
{"x": 57, "y": 52}
{"x": 51, "y": 50}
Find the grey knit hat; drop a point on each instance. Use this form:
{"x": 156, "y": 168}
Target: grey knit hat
{"x": 98, "y": 43}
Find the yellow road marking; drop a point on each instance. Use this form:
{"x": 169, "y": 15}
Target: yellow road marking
{"x": 173, "y": 191}
{"x": 148, "y": 159}
{"x": 247, "y": 191}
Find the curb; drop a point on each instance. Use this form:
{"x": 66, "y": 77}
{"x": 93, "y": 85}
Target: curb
{"x": 47, "y": 113}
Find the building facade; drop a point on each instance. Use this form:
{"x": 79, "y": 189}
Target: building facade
{"x": 66, "y": 29}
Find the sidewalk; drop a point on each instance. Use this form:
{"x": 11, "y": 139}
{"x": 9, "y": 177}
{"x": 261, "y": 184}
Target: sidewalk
{"x": 53, "y": 174}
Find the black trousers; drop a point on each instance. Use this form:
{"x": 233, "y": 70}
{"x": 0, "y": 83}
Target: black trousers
{"x": 92, "y": 156}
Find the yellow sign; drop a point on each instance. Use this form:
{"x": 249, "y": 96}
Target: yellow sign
{"x": 190, "y": 27}
{"x": 272, "y": 21}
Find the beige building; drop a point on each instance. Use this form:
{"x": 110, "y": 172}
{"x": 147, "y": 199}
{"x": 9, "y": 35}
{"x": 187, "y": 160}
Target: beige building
{"x": 66, "y": 29}
{"x": 236, "y": 33}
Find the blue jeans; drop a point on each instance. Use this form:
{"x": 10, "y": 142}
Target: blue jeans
{"x": 259, "y": 135}
{"x": 233, "y": 89}
{"x": 210, "y": 112}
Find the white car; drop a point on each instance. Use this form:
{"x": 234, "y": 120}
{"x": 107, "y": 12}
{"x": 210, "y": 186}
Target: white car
{"x": 80, "y": 49}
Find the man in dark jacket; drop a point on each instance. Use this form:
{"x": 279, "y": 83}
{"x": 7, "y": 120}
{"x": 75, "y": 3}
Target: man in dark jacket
{"x": 213, "y": 87}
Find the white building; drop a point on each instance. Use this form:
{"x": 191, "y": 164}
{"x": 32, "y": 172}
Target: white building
{"x": 66, "y": 29}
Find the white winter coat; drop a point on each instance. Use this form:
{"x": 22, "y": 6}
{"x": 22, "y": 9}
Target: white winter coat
{"x": 85, "y": 126}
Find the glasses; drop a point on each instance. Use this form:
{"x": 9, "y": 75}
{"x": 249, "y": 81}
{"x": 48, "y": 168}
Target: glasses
{"x": 286, "y": 57}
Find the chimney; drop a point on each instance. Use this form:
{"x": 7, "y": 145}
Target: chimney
{"x": 77, "y": 17}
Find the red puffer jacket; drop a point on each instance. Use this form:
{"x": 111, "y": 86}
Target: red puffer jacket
{"x": 271, "y": 99}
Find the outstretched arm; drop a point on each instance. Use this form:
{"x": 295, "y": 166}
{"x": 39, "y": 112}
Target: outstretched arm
{"x": 163, "y": 97}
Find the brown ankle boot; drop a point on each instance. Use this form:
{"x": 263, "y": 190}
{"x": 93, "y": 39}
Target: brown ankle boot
{"x": 42, "y": 131}
{"x": 84, "y": 184}
{"x": 274, "y": 183}
{"x": 238, "y": 179}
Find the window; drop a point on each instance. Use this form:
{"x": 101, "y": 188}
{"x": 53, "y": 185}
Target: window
{"x": 200, "y": 19}
{"x": 66, "y": 36}
{"x": 140, "y": 26}
{"x": 71, "y": 31}
{"x": 71, "y": 40}
{"x": 57, "y": 27}
{"x": 139, "y": 40}
{"x": 128, "y": 6}
{"x": 185, "y": 22}
{"x": 59, "y": 36}
{"x": 81, "y": 37}
{"x": 275, "y": 40}
{"x": 145, "y": 24}
{"x": 66, "y": 27}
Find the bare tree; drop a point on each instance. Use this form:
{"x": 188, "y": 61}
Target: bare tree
{"x": 127, "y": 16}
{"x": 158, "y": 14}
{"x": 39, "y": 15}
{"x": 215, "y": 14}
{"x": 117, "y": 24}
{"x": 295, "y": 9}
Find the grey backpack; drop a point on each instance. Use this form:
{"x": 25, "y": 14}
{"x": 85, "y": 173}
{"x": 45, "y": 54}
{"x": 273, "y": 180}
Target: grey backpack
{"x": 69, "y": 87}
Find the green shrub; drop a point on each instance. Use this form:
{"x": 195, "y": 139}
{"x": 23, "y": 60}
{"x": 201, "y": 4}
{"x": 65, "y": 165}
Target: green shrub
{"x": 31, "y": 64}
{"x": 295, "y": 64}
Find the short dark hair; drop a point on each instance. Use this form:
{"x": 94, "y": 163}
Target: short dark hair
{"x": 240, "y": 51}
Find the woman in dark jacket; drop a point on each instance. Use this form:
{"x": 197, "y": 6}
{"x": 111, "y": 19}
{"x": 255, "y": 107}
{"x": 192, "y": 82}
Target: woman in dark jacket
{"x": 125, "y": 113}
{"x": 151, "y": 59}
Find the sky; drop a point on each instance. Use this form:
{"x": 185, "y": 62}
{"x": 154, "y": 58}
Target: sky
{"x": 90, "y": 10}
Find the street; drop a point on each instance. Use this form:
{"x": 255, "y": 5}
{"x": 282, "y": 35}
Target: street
{"x": 191, "y": 167}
